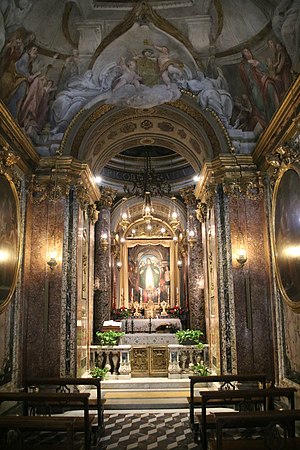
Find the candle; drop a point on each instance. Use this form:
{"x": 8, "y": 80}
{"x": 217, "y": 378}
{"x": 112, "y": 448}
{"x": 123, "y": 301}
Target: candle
{"x": 177, "y": 290}
{"x": 122, "y": 292}
{"x": 132, "y": 293}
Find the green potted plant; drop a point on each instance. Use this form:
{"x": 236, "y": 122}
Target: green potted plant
{"x": 97, "y": 372}
{"x": 189, "y": 337}
{"x": 200, "y": 369}
{"x": 109, "y": 337}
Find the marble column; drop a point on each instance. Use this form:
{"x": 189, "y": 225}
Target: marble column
{"x": 195, "y": 275}
{"x": 102, "y": 286}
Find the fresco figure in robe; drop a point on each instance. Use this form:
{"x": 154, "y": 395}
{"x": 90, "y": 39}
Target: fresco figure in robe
{"x": 261, "y": 88}
{"x": 149, "y": 275}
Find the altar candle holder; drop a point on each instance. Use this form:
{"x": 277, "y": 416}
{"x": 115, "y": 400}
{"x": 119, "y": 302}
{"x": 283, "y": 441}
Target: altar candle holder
{"x": 132, "y": 325}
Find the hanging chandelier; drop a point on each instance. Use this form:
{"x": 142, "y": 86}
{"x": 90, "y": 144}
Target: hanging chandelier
{"x": 148, "y": 182}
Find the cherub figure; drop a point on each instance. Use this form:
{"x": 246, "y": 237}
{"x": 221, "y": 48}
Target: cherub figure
{"x": 129, "y": 75}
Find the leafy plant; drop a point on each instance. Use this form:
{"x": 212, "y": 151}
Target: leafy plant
{"x": 200, "y": 369}
{"x": 97, "y": 372}
{"x": 109, "y": 337}
{"x": 184, "y": 336}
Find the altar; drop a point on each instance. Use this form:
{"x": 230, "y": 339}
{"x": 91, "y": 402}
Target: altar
{"x": 136, "y": 325}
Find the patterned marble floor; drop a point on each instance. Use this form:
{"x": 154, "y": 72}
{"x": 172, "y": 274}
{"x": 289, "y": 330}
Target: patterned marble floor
{"x": 147, "y": 431}
{"x": 124, "y": 430}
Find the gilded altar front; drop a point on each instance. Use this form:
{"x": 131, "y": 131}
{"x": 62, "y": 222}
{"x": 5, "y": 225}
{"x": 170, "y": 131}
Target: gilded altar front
{"x": 149, "y": 361}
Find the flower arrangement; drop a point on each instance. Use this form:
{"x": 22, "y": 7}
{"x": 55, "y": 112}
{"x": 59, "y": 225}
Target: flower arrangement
{"x": 176, "y": 311}
{"x": 121, "y": 313}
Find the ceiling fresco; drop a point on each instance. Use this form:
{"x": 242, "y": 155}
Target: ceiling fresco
{"x": 58, "y": 58}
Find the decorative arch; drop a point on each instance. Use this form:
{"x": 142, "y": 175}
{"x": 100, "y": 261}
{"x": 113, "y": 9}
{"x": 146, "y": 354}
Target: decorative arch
{"x": 98, "y": 134}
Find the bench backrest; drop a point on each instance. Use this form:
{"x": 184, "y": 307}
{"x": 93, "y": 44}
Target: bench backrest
{"x": 240, "y": 397}
{"x": 62, "y": 385}
{"x": 245, "y": 419}
{"x": 226, "y": 382}
{"x": 72, "y": 399}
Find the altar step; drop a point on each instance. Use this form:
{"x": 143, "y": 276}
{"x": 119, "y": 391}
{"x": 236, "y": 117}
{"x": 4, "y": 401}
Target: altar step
{"x": 146, "y": 393}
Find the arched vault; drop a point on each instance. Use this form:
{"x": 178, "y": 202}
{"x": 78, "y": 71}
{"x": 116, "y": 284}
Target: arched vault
{"x": 98, "y": 134}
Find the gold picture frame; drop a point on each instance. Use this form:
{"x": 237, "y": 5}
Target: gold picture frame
{"x": 9, "y": 239}
{"x": 286, "y": 234}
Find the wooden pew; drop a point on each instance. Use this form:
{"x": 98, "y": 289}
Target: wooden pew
{"x": 225, "y": 382}
{"x": 51, "y": 400}
{"x": 262, "y": 419}
{"x": 239, "y": 398}
{"x": 41, "y": 423}
{"x": 63, "y": 385}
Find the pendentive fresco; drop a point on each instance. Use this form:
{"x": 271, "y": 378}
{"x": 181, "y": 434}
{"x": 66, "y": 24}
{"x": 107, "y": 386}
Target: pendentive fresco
{"x": 54, "y": 63}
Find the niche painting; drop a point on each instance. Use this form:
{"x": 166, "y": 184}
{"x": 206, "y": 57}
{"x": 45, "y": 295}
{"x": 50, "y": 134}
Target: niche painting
{"x": 9, "y": 239}
{"x": 149, "y": 273}
{"x": 286, "y": 236}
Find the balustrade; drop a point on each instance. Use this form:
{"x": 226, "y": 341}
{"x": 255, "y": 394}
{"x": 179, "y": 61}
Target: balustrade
{"x": 117, "y": 359}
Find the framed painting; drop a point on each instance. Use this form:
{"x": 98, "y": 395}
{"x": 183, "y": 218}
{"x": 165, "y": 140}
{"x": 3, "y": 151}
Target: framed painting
{"x": 286, "y": 235}
{"x": 9, "y": 239}
{"x": 149, "y": 273}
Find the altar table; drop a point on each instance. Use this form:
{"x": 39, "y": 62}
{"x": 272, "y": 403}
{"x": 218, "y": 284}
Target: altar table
{"x": 154, "y": 339}
{"x": 143, "y": 325}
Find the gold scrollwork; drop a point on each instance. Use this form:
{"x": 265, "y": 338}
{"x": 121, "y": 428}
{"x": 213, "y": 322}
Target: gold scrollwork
{"x": 253, "y": 189}
{"x": 7, "y": 160}
{"x": 202, "y": 212}
{"x": 92, "y": 213}
{"x": 82, "y": 196}
{"x": 283, "y": 156}
{"x": 49, "y": 189}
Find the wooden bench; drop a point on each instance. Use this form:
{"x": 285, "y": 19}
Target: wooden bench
{"x": 40, "y": 423}
{"x": 63, "y": 385}
{"x": 266, "y": 420}
{"x": 52, "y": 400}
{"x": 238, "y": 399}
{"x": 225, "y": 382}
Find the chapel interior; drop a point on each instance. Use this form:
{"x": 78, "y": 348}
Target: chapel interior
{"x": 149, "y": 175}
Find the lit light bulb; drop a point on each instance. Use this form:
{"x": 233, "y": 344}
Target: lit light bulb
{"x": 241, "y": 256}
{"x": 4, "y": 255}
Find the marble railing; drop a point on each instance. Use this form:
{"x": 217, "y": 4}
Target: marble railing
{"x": 117, "y": 359}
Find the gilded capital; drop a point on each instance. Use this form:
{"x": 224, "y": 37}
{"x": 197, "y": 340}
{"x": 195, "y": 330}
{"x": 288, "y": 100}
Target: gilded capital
{"x": 107, "y": 196}
{"x": 48, "y": 189}
{"x": 188, "y": 195}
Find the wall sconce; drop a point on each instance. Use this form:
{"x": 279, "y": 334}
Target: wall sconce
{"x": 119, "y": 265}
{"x": 104, "y": 241}
{"x": 192, "y": 238}
{"x": 241, "y": 256}
{"x": 125, "y": 222}
{"x": 52, "y": 261}
{"x": 179, "y": 264}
